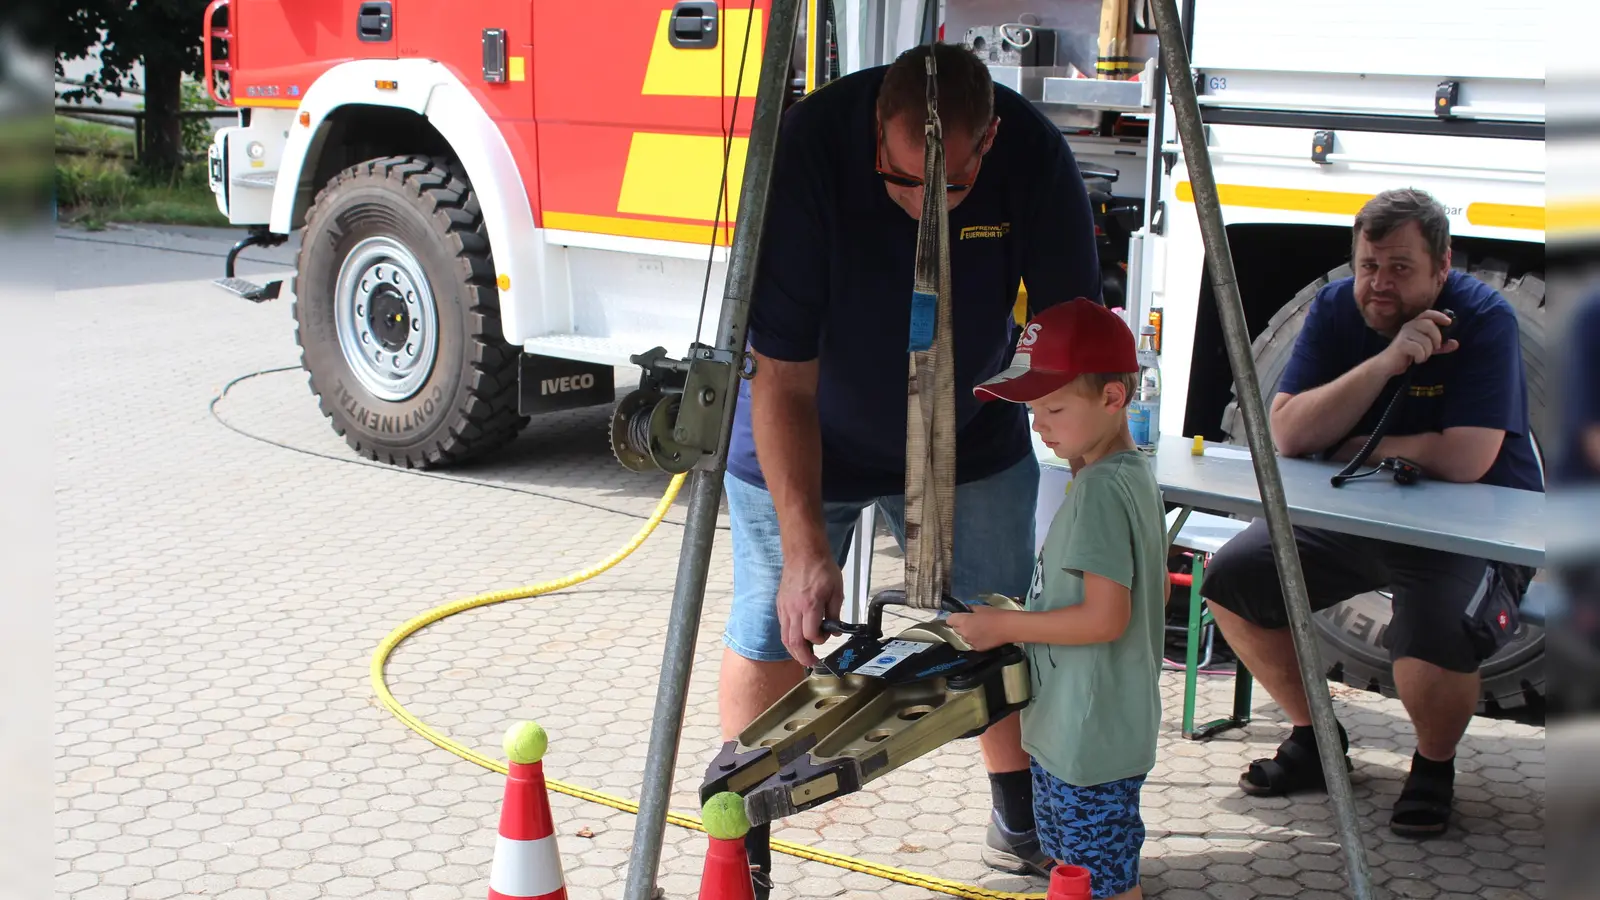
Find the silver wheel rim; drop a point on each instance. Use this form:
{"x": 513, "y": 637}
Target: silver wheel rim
{"x": 387, "y": 322}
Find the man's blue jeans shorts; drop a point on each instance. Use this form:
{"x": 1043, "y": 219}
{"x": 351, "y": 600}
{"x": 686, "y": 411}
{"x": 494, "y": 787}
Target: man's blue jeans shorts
{"x": 993, "y": 548}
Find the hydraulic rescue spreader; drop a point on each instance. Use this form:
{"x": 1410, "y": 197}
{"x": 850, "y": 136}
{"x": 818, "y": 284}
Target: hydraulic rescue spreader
{"x": 871, "y": 706}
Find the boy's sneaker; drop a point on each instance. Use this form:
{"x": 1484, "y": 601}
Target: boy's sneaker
{"x": 1015, "y": 852}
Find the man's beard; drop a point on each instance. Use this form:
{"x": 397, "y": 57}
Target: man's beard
{"x": 1381, "y": 319}
{"x": 1387, "y": 318}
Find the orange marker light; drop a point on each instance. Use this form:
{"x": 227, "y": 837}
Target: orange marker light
{"x": 387, "y": 85}
{"x": 305, "y": 120}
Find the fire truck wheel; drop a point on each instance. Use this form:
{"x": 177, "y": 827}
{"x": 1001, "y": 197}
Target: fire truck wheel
{"x": 1351, "y": 633}
{"x": 397, "y": 315}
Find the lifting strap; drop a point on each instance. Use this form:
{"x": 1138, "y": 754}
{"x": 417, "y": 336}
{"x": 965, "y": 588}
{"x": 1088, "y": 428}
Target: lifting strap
{"x": 930, "y": 407}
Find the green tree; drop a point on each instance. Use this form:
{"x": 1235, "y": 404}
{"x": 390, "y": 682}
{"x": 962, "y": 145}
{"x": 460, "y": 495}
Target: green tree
{"x": 162, "y": 34}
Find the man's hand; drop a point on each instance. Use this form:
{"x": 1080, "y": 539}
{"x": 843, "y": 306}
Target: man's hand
{"x": 810, "y": 589}
{"x": 984, "y": 628}
{"x": 1417, "y": 340}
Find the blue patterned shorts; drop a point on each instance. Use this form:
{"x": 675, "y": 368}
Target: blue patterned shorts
{"x": 1097, "y": 827}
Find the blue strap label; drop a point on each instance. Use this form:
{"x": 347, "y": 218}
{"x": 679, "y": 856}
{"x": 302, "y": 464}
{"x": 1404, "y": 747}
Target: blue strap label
{"x": 924, "y": 315}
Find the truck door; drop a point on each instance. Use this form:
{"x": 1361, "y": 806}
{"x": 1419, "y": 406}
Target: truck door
{"x": 284, "y": 45}
{"x": 632, "y": 99}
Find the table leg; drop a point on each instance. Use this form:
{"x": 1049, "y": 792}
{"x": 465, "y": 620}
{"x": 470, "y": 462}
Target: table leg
{"x": 1242, "y": 683}
{"x": 1183, "y": 518}
{"x": 1191, "y": 666}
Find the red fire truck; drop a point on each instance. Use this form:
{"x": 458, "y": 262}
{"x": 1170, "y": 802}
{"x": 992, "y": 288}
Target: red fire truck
{"x": 494, "y": 212}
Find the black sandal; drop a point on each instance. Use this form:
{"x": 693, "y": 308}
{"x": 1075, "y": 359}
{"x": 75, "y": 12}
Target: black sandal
{"x": 1423, "y": 808}
{"x": 1295, "y": 767}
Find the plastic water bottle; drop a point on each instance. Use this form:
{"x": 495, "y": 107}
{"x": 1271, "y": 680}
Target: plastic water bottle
{"x": 1144, "y": 411}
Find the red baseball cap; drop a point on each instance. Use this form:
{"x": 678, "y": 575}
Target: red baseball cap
{"x": 1059, "y": 344}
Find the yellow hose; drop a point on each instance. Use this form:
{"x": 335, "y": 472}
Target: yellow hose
{"x": 381, "y": 657}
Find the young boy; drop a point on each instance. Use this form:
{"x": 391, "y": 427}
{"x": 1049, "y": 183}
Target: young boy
{"x": 1092, "y": 627}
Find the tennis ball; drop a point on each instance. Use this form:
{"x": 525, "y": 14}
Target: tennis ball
{"x": 525, "y": 743}
{"x": 724, "y": 817}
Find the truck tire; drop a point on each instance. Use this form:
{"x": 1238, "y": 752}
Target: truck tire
{"x": 1513, "y": 679}
{"x": 397, "y": 315}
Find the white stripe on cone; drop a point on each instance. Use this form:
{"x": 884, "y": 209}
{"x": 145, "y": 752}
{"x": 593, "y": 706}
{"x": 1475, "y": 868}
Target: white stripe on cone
{"x": 526, "y": 868}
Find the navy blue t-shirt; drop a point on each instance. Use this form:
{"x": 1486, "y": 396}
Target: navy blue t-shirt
{"x": 1581, "y": 394}
{"x": 837, "y": 263}
{"x": 1481, "y": 384}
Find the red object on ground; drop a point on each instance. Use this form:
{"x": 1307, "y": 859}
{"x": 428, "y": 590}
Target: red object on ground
{"x": 726, "y": 875}
{"x": 1069, "y": 883}
{"x": 527, "y": 864}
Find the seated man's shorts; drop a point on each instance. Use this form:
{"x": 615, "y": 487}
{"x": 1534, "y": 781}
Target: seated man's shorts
{"x": 1449, "y": 610}
{"x": 993, "y": 548}
{"x": 1097, "y": 827}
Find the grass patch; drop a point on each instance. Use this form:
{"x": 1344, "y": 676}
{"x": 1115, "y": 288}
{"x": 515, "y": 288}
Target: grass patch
{"x": 164, "y": 208}
{"x": 78, "y": 136}
{"x": 94, "y": 191}
{"x": 96, "y": 183}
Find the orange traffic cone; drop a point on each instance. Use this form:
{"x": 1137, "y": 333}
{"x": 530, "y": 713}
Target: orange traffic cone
{"x": 1069, "y": 883}
{"x": 527, "y": 864}
{"x": 726, "y": 875}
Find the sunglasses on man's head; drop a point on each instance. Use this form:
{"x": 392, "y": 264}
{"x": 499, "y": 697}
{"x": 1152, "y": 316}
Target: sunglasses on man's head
{"x": 900, "y": 179}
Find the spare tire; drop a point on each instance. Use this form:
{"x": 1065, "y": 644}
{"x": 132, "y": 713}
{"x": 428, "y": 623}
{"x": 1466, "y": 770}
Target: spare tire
{"x": 1352, "y": 632}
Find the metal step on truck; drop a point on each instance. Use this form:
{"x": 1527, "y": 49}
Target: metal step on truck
{"x": 501, "y": 201}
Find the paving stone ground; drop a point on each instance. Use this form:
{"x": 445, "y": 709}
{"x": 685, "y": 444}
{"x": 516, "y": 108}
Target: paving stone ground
{"x": 220, "y": 598}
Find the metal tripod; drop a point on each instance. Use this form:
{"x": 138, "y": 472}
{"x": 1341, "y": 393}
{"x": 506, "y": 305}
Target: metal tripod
{"x": 706, "y": 479}
{"x": 1236, "y": 335}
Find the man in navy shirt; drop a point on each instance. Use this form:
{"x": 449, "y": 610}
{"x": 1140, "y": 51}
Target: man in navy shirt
{"x": 1464, "y": 418}
{"x": 820, "y": 431}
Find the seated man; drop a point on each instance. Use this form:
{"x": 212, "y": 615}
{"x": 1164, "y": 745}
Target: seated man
{"x": 1464, "y": 419}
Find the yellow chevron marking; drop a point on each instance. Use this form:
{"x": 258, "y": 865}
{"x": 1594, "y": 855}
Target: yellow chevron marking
{"x": 1345, "y": 203}
{"x": 1334, "y": 202}
{"x": 675, "y": 176}
{"x": 1500, "y": 215}
{"x": 707, "y": 73}
{"x": 639, "y": 228}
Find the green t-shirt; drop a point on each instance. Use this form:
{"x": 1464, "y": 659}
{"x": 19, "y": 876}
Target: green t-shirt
{"x": 1096, "y": 708}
